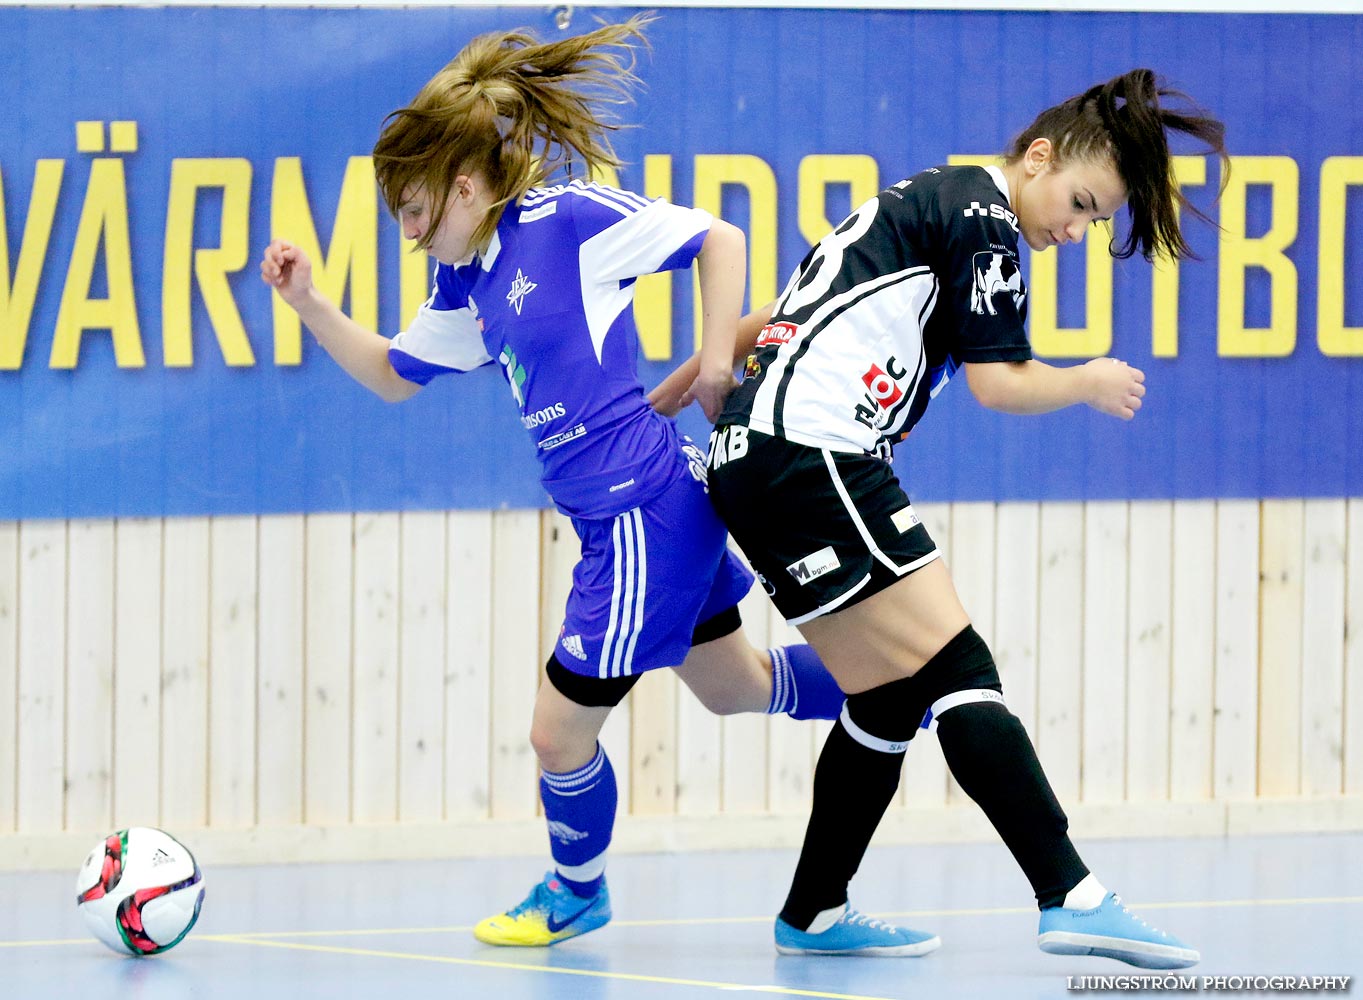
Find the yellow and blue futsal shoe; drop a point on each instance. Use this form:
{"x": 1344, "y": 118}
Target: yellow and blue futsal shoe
{"x": 550, "y": 914}
{"x": 1110, "y": 930}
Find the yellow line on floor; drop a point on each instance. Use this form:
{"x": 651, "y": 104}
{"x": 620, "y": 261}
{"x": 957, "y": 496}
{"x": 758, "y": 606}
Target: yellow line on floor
{"x": 527, "y": 967}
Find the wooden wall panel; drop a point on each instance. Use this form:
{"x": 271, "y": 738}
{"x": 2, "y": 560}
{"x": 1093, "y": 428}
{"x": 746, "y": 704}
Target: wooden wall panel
{"x": 184, "y": 674}
{"x": 329, "y": 553}
{"x": 1060, "y": 647}
{"x": 279, "y": 665}
{"x": 138, "y": 612}
{"x": 42, "y": 682}
{"x": 89, "y": 675}
{"x": 1323, "y": 640}
{"x": 331, "y": 669}
{"x": 1353, "y": 653}
{"x": 517, "y": 659}
{"x": 374, "y": 712}
{"x": 9, "y": 672}
{"x": 233, "y": 674}
{"x": 1236, "y": 698}
{"x": 1149, "y": 623}
{"x": 1106, "y": 569}
{"x": 1281, "y": 548}
{"x": 421, "y": 616}
{"x": 468, "y": 665}
{"x": 1192, "y": 650}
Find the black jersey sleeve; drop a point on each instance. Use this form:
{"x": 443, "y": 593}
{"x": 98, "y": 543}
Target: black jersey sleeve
{"x": 984, "y": 299}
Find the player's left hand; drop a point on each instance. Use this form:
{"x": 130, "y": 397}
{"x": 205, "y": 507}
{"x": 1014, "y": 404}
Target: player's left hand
{"x": 710, "y": 389}
{"x": 1115, "y": 387}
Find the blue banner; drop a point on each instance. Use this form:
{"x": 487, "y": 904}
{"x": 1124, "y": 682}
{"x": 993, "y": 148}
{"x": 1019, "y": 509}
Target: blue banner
{"x": 148, "y": 155}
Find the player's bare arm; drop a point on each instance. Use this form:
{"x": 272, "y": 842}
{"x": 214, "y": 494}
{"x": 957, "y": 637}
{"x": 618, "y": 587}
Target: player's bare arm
{"x": 362, "y": 353}
{"x": 1108, "y": 385}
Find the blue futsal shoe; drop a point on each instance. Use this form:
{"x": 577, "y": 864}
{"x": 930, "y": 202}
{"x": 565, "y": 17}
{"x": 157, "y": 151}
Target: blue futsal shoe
{"x": 1110, "y": 930}
{"x": 550, "y": 914}
{"x": 856, "y": 934}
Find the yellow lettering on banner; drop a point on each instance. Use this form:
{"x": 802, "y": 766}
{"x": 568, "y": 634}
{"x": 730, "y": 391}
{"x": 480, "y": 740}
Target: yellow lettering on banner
{"x": 712, "y": 173}
{"x": 414, "y": 280}
{"x": 1239, "y": 252}
{"x": 817, "y": 174}
{"x": 352, "y": 258}
{"x": 17, "y": 297}
{"x": 1337, "y": 175}
{"x": 1188, "y": 171}
{"x": 103, "y": 220}
{"x": 1094, "y": 338}
{"x": 653, "y": 293}
{"x": 211, "y": 266}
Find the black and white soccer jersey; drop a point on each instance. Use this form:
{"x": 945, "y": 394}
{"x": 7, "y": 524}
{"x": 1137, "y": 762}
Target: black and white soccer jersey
{"x": 919, "y": 280}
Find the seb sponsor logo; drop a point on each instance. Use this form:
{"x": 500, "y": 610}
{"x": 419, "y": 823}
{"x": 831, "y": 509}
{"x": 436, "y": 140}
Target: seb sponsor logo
{"x": 776, "y": 333}
{"x": 992, "y": 212}
{"x": 882, "y": 391}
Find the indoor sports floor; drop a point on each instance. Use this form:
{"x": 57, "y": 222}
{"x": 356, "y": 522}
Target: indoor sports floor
{"x": 691, "y": 926}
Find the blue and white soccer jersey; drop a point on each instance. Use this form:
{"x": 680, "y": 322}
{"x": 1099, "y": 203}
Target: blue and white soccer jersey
{"x": 550, "y": 303}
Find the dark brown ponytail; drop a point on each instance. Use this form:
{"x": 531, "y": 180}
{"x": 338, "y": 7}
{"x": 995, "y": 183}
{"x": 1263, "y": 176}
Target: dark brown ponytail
{"x": 1125, "y": 119}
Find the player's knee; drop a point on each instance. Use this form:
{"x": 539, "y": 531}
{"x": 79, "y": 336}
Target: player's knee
{"x": 961, "y": 674}
{"x": 885, "y": 717}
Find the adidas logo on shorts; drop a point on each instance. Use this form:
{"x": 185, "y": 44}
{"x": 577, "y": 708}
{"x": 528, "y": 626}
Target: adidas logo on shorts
{"x": 573, "y": 644}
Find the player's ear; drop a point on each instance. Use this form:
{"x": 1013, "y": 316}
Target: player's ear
{"x": 1039, "y": 155}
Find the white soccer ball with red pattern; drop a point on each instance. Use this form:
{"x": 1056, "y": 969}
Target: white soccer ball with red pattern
{"x": 140, "y": 891}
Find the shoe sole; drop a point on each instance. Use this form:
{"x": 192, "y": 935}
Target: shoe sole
{"x": 888, "y": 951}
{"x": 1142, "y": 954}
{"x": 506, "y": 942}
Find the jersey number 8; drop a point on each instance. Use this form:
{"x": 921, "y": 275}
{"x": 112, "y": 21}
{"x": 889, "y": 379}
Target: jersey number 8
{"x": 812, "y": 283}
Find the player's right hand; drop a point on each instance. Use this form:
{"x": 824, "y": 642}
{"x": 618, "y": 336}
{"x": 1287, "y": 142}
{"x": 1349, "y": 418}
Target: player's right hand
{"x": 286, "y": 269}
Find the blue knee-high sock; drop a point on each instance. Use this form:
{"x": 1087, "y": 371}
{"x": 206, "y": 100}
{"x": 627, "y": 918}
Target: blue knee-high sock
{"x": 801, "y": 685}
{"x": 580, "y": 808}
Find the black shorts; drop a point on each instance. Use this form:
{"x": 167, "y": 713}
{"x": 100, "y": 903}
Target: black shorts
{"x": 822, "y": 529}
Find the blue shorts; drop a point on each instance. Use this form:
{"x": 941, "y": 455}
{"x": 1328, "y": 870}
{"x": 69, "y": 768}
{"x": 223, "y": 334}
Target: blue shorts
{"x": 646, "y": 579}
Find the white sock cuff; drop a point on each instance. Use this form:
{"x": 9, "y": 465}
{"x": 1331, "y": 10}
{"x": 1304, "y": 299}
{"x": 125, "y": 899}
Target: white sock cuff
{"x": 957, "y": 698}
{"x": 866, "y": 739}
{"x": 583, "y": 872}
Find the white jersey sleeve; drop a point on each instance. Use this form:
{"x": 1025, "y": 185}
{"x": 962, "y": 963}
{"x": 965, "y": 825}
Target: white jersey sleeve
{"x": 444, "y": 337}
{"x": 623, "y": 235}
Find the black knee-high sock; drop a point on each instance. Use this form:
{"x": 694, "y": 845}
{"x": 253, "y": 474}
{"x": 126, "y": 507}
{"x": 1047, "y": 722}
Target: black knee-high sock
{"x": 992, "y": 758}
{"x": 856, "y": 777}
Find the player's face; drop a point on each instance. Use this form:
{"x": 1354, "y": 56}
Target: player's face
{"x": 1056, "y": 204}
{"x": 463, "y": 213}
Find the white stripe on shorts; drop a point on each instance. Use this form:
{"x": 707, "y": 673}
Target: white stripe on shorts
{"x": 862, "y": 530}
{"x": 627, "y": 595}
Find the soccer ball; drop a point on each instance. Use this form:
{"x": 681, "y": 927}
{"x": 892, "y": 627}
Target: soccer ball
{"x": 140, "y": 891}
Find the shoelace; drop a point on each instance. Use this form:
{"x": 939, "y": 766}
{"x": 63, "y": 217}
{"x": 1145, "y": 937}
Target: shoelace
{"x": 1122, "y": 906}
{"x": 862, "y": 920}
